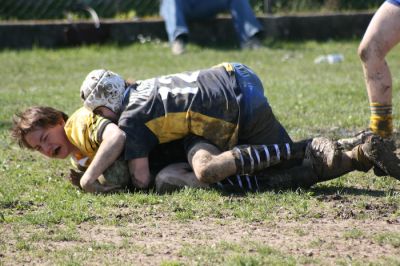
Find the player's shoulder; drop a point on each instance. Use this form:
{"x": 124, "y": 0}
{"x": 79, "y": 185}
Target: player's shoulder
{"x": 82, "y": 118}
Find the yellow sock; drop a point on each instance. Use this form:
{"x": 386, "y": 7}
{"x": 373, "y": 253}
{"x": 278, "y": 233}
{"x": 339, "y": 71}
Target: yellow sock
{"x": 381, "y": 120}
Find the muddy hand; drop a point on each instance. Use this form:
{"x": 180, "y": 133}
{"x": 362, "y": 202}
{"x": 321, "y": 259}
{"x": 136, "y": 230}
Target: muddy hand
{"x": 74, "y": 177}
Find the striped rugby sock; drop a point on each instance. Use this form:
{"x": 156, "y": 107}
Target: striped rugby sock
{"x": 381, "y": 120}
{"x": 253, "y": 158}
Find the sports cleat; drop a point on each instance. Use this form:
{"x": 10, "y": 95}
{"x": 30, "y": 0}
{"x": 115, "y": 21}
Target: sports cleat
{"x": 348, "y": 144}
{"x": 380, "y": 152}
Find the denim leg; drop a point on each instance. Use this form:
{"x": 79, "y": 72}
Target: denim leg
{"x": 203, "y": 9}
{"x": 244, "y": 20}
{"x": 173, "y": 12}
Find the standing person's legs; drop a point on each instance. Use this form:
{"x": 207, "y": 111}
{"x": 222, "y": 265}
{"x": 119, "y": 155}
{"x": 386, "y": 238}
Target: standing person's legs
{"x": 173, "y": 12}
{"x": 382, "y": 34}
{"x": 244, "y": 20}
{"x": 205, "y": 9}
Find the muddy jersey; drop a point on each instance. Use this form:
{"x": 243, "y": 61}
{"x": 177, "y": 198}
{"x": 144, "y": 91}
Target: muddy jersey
{"x": 84, "y": 130}
{"x": 167, "y": 108}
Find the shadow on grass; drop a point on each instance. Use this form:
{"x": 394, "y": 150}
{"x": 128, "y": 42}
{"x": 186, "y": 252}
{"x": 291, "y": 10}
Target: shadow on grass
{"x": 338, "y": 190}
{"x": 331, "y": 192}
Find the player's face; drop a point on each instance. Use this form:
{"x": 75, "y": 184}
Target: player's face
{"x": 51, "y": 141}
{"x": 106, "y": 112}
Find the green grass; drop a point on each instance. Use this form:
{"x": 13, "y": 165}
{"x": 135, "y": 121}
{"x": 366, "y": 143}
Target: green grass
{"x": 39, "y": 208}
{"x": 388, "y": 238}
{"x": 255, "y": 254}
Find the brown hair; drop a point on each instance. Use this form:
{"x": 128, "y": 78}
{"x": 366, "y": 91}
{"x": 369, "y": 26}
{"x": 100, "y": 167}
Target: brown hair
{"x": 32, "y": 118}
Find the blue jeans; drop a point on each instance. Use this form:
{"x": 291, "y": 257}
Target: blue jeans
{"x": 175, "y": 13}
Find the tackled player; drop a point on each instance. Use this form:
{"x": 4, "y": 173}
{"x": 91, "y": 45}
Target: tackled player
{"x": 220, "y": 117}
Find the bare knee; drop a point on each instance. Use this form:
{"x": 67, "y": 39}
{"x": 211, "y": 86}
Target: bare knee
{"x": 370, "y": 51}
{"x": 364, "y": 52}
{"x": 204, "y": 168}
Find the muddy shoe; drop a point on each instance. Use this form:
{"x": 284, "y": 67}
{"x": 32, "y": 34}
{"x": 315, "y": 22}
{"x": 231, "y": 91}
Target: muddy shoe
{"x": 380, "y": 153}
{"x": 325, "y": 157}
{"x": 348, "y": 144}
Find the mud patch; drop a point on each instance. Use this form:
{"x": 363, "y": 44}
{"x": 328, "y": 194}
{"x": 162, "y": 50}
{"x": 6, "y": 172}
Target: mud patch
{"x": 346, "y": 207}
{"x": 156, "y": 241}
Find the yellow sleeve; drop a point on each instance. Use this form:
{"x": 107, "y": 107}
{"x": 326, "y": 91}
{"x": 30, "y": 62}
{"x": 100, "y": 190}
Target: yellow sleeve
{"x": 228, "y": 67}
{"x": 85, "y": 129}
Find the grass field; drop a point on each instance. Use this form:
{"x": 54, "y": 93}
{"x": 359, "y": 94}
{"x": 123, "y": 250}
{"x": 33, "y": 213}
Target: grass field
{"x": 354, "y": 220}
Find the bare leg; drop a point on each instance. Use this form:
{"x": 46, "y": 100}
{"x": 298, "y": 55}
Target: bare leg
{"x": 209, "y": 164}
{"x": 382, "y": 34}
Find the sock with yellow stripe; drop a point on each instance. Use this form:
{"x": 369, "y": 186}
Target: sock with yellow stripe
{"x": 381, "y": 120}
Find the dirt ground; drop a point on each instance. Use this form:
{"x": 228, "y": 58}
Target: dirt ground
{"x": 169, "y": 238}
{"x": 325, "y": 240}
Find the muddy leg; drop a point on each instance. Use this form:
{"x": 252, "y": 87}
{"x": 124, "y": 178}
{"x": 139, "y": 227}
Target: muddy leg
{"x": 211, "y": 166}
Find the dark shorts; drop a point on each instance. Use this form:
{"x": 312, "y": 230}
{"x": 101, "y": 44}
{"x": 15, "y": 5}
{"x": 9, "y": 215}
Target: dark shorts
{"x": 165, "y": 154}
{"x": 394, "y": 2}
{"x": 258, "y": 124}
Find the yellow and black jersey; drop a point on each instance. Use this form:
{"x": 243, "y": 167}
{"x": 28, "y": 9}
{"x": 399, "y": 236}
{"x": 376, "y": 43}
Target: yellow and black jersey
{"x": 167, "y": 108}
{"x": 84, "y": 130}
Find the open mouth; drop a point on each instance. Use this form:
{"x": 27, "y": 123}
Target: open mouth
{"x": 56, "y": 151}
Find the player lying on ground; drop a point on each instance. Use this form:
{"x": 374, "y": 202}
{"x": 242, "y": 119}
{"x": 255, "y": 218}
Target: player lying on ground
{"x": 211, "y": 110}
{"x": 83, "y": 136}
{"x": 232, "y": 92}
{"x": 45, "y": 130}
{"x": 54, "y": 134}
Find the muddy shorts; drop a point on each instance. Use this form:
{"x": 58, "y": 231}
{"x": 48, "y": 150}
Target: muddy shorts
{"x": 258, "y": 124}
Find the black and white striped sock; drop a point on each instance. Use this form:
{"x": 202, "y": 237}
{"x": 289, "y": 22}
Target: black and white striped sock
{"x": 253, "y": 158}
